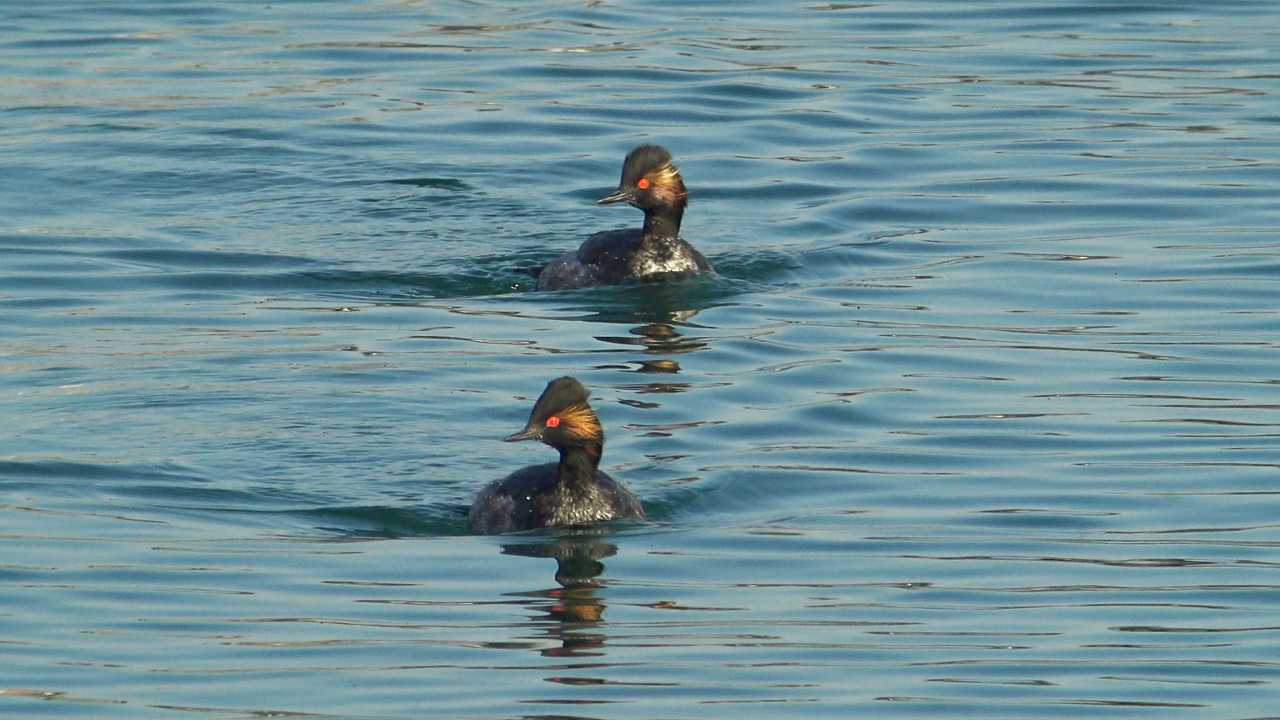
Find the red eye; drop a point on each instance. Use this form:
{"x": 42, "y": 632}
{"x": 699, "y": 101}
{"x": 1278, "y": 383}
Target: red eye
{"x": 643, "y": 183}
{"x": 553, "y": 421}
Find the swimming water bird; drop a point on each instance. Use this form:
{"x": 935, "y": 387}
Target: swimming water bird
{"x": 571, "y": 492}
{"x": 652, "y": 183}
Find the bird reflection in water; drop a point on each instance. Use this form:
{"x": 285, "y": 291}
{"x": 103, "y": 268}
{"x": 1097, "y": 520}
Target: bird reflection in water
{"x": 660, "y": 341}
{"x": 574, "y": 609}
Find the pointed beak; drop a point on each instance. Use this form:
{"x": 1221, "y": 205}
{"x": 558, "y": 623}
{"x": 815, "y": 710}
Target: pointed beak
{"x": 525, "y": 434}
{"x": 619, "y": 195}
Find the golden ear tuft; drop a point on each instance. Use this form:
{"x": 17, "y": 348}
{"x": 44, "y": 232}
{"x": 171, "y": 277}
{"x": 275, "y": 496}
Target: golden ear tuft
{"x": 580, "y": 421}
{"x": 666, "y": 181}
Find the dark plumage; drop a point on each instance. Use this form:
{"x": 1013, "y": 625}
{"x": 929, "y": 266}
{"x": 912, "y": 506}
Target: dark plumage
{"x": 571, "y": 492}
{"x": 650, "y": 181}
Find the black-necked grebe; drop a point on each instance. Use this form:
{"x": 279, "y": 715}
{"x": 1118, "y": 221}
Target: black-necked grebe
{"x": 571, "y": 492}
{"x": 651, "y": 182}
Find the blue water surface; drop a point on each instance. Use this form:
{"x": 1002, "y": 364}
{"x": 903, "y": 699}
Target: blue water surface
{"x": 978, "y": 418}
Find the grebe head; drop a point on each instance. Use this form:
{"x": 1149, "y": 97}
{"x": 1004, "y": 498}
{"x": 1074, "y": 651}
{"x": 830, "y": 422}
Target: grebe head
{"x": 562, "y": 418}
{"x": 650, "y": 180}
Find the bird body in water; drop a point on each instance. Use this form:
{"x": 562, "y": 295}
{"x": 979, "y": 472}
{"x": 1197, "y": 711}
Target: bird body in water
{"x": 651, "y": 182}
{"x": 573, "y": 491}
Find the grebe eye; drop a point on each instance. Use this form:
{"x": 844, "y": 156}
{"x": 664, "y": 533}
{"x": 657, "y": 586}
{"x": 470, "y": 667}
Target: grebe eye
{"x": 553, "y": 421}
{"x": 643, "y": 183}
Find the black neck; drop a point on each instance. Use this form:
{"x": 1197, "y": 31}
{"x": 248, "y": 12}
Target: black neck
{"x": 662, "y": 222}
{"x": 578, "y": 464}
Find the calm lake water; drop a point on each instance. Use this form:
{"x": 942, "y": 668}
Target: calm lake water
{"x": 979, "y": 419}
